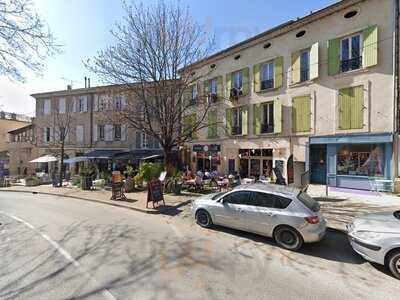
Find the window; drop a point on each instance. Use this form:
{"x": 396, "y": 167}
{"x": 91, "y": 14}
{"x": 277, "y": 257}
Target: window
{"x": 194, "y": 94}
{"x": 47, "y": 134}
{"x": 118, "y": 103}
{"x": 61, "y": 105}
{"x": 213, "y": 86}
{"x": 62, "y": 133}
{"x": 79, "y": 134}
{"x": 267, "y": 76}
{"x": 117, "y": 132}
{"x": 267, "y": 125}
{"x": 305, "y": 65}
{"x": 350, "y": 55}
{"x": 262, "y": 200}
{"x": 361, "y": 160}
{"x": 81, "y": 104}
{"x": 101, "y": 132}
{"x": 236, "y": 121}
{"x": 46, "y": 106}
{"x": 237, "y": 80}
{"x": 144, "y": 141}
{"x": 242, "y": 197}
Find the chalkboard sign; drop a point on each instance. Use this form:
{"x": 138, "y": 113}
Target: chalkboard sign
{"x": 278, "y": 170}
{"x": 154, "y": 192}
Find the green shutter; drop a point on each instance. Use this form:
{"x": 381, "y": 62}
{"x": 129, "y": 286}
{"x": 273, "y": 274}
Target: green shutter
{"x": 344, "y": 105}
{"x": 277, "y": 116}
{"x": 357, "y": 108}
{"x": 296, "y": 67}
{"x": 220, "y": 90}
{"x": 314, "y": 63}
{"x": 206, "y": 87}
{"x": 333, "y": 56}
{"x": 370, "y": 46}
{"x": 278, "y": 72}
{"x": 257, "y": 78}
{"x": 301, "y": 114}
{"x": 228, "y": 121}
{"x": 245, "y": 120}
{"x": 257, "y": 118}
{"x": 228, "y": 80}
{"x": 212, "y": 124}
{"x": 245, "y": 81}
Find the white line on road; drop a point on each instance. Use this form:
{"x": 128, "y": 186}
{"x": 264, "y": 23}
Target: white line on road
{"x": 106, "y": 293}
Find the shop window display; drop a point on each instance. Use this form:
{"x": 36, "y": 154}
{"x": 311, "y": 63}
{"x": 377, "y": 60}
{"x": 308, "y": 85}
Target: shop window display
{"x": 361, "y": 160}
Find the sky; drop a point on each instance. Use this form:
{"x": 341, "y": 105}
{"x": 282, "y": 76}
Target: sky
{"x": 83, "y": 27}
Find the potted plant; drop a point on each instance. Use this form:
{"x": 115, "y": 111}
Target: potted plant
{"x": 86, "y": 178}
{"x": 129, "y": 174}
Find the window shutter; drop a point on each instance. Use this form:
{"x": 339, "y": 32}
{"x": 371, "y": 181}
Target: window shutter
{"x": 344, "y": 106}
{"x": 95, "y": 132}
{"x": 333, "y": 56}
{"x": 228, "y": 121}
{"x": 370, "y": 46}
{"x": 85, "y": 103}
{"x": 277, "y": 116}
{"x": 96, "y": 102}
{"x": 357, "y": 108}
{"x": 301, "y": 114}
{"x": 245, "y": 82}
{"x": 243, "y": 111}
{"x": 74, "y": 104}
{"x": 212, "y": 126}
{"x": 314, "y": 61}
{"x": 123, "y": 132}
{"x": 228, "y": 80}
{"x": 138, "y": 140}
{"x": 257, "y": 118}
{"x": 296, "y": 67}
{"x": 206, "y": 87}
{"x": 220, "y": 90}
{"x": 123, "y": 101}
{"x": 278, "y": 72}
{"x": 44, "y": 135}
{"x": 257, "y": 78}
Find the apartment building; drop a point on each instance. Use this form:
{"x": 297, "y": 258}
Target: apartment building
{"x": 317, "y": 93}
{"x": 90, "y": 128}
{"x": 8, "y": 121}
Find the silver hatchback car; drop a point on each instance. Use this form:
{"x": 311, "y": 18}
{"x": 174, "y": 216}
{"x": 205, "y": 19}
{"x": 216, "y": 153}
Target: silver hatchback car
{"x": 287, "y": 214}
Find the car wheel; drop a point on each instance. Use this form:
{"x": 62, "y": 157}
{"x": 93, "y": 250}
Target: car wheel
{"x": 203, "y": 218}
{"x": 288, "y": 238}
{"x": 394, "y": 264}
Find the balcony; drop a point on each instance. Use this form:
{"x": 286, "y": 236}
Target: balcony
{"x": 236, "y": 130}
{"x": 351, "y": 64}
{"x": 267, "y": 128}
{"x": 267, "y": 84}
{"x": 235, "y": 93}
{"x": 304, "y": 74}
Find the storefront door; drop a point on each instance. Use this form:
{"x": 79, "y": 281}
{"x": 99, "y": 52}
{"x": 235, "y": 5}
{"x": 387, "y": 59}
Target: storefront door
{"x": 255, "y": 168}
{"x": 318, "y": 164}
{"x": 244, "y": 168}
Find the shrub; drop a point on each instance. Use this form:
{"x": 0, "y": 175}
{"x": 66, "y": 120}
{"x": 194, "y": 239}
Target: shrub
{"x": 150, "y": 171}
{"x": 129, "y": 172}
{"x": 32, "y": 181}
{"x": 76, "y": 180}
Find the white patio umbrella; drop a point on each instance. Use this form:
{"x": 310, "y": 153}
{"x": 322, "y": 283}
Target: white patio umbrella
{"x": 44, "y": 159}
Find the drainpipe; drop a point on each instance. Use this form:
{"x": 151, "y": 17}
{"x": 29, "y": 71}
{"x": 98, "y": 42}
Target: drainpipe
{"x": 396, "y": 91}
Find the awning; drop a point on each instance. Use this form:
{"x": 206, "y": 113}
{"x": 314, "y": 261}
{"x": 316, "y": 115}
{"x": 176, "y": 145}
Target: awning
{"x": 44, "y": 159}
{"x": 76, "y": 159}
{"x": 102, "y": 154}
{"x": 139, "y": 154}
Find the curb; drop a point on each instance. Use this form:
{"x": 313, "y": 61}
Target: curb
{"x": 151, "y": 212}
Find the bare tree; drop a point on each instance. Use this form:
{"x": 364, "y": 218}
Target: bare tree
{"x": 153, "y": 45}
{"x": 62, "y": 122}
{"x": 24, "y": 39}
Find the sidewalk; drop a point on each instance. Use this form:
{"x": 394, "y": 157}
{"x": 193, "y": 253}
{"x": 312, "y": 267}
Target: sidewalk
{"x": 136, "y": 201}
{"x": 341, "y": 206}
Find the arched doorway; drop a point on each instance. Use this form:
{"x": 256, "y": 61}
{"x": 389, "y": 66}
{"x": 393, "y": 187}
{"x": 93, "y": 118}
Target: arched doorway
{"x": 290, "y": 170}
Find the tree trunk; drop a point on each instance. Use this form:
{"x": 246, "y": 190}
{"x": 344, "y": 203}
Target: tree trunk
{"x": 168, "y": 161}
{"x": 61, "y": 164}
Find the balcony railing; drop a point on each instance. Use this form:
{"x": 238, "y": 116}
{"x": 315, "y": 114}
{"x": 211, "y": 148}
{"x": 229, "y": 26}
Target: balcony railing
{"x": 267, "y": 128}
{"x": 236, "y": 130}
{"x": 212, "y": 98}
{"x": 351, "y": 64}
{"x": 267, "y": 84}
{"x": 304, "y": 75}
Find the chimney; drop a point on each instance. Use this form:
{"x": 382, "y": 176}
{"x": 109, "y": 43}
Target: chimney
{"x": 85, "y": 82}
{"x": 88, "y": 82}
{"x": 69, "y": 87}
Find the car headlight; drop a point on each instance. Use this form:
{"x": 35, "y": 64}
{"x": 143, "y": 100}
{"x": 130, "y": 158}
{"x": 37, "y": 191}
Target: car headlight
{"x": 366, "y": 235}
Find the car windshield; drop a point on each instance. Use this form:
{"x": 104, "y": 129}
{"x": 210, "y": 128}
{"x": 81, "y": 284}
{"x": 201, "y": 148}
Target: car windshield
{"x": 308, "y": 201}
{"x": 218, "y": 195}
{"x": 397, "y": 214}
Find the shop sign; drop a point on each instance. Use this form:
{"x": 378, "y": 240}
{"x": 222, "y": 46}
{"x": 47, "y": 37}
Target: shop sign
{"x": 198, "y": 148}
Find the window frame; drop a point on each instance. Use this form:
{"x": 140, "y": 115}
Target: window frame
{"x": 237, "y": 76}
{"x": 48, "y": 134}
{"x": 349, "y": 38}
{"x": 115, "y": 131}
{"x": 302, "y": 71}
{"x": 268, "y": 65}
{"x": 224, "y": 198}
{"x": 101, "y": 132}
{"x": 144, "y": 141}
{"x": 237, "y": 116}
{"x": 269, "y": 106}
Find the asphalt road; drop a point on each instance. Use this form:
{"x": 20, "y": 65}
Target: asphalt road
{"x": 61, "y": 248}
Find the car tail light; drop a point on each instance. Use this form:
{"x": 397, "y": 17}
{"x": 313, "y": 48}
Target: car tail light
{"x": 312, "y": 220}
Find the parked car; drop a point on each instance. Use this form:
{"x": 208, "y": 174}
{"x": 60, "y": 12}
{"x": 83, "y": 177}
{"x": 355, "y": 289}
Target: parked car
{"x": 376, "y": 237}
{"x": 287, "y": 214}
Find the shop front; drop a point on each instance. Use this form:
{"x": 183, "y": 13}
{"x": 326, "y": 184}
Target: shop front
{"x": 352, "y": 161}
{"x": 254, "y": 163}
{"x": 207, "y": 157}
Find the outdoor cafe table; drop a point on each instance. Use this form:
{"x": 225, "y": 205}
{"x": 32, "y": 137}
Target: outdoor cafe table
{"x": 248, "y": 180}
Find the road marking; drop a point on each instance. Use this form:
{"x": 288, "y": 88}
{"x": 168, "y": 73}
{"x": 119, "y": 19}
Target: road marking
{"x": 105, "y": 292}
